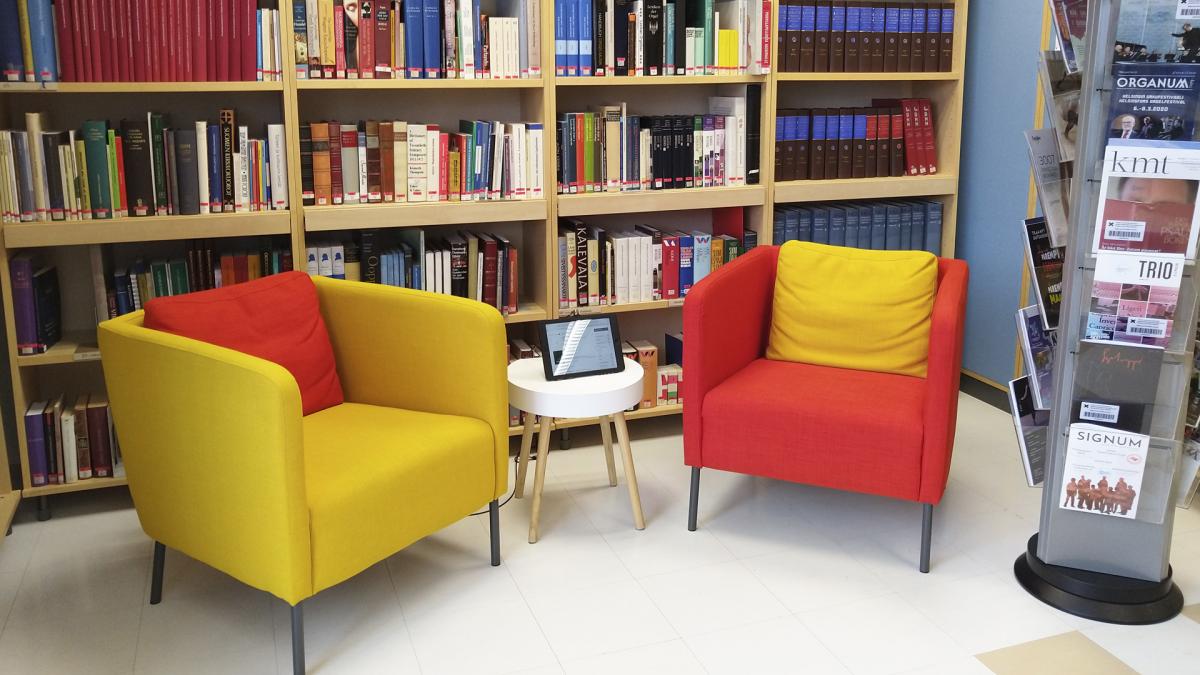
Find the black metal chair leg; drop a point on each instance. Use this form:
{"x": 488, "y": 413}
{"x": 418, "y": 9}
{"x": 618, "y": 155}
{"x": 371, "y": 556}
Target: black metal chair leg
{"x": 494, "y": 517}
{"x": 694, "y": 501}
{"x": 926, "y": 535}
{"x": 156, "y": 574}
{"x": 297, "y": 640}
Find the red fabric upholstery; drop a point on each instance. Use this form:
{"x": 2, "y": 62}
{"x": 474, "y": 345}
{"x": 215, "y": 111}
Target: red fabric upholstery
{"x": 276, "y": 318}
{"x": 869, "y": 432}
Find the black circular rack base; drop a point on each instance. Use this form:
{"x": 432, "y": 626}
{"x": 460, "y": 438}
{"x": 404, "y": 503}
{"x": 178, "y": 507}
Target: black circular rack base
{"x": 1100, "y": 597}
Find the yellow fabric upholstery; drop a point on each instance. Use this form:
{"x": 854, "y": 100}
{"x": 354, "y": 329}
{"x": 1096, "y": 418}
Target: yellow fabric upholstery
{"x": 380, "y": 478}
{"x": 223, "y": 467}
{"x": 853, "y": 308}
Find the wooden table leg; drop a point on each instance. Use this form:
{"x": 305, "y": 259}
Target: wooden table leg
{"x": 635, "y": 498}
{"x": 606, "y": 434}
{"x": 523, "y": 458}
{"x": 539, "y": 480}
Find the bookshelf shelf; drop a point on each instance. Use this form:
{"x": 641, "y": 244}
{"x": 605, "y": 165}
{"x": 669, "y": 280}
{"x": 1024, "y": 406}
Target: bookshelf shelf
{"x": 77, "y": 486}
{"x": 72, "y": 348}
{"x": 664, "y": 80}
{"x": 161, "y": 87}
{"x": 865, "y": 188}
{"x": 622, "y": 308}
{"x": 27, "y": 86}
{"x": 420, "y": 214}
{"x": 600, "y": 203}
{"x": 526, "y": 312}
{"x": 150, "y": 228}
{"x": 404, "y": 83}
{"x": 870, "y": 77}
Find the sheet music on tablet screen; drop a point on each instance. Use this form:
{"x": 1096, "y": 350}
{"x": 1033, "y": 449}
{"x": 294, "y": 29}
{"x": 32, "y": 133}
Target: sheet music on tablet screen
{"x": 581, "y": 346}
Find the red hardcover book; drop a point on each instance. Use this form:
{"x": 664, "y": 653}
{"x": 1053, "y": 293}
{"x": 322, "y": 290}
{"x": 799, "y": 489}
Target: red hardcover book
{"x": 153, "y": 37}
{"x": 170, "y": 16}
{"x": 130, "y": 49}
{"x": 914, "y": 142}
{"x": 100, "y": 37}
{"x": 382, "y": 41}
{"x": 339, "y": 40}
{"x": 66, "y": 46}
{"x": 335, "y": 162}
{"x": 233, "y": 15}
{"x": 670, "y": 266}
{"x": 83, "y": 40}
{"x": 444, "y": 166}
{"x": 930, "y": 143}
{"x": 883, "y": 162}
{"x": 248, "y": 34}
{"x": 490, "y": 261}
{"x": 188, "y": 41}
{"x": 729, "y": 220}
{"x": 119, "y": 151}
{"x": 212, "y": 34}
{"x": 241, "y": 268}
{"x": 366, "y": 44}
{"x": 120, "y": 16}
{"x": 199, "y": 28}
{"x": 97, "y": 426}
{"x": 219, "y": 27}
{"x": 581, "y": 139}
{"x": 898, "y": 156}
{"x": 228, "y": 274}
{"x": 511, "y": 303}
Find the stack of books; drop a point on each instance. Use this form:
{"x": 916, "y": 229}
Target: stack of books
{"x": 902, "y": 225}
{"x": 37, "y": 310}
{"x": 657, "y": 37}
{"x": 373, "y": 161}
{"x": 140, "y": 41}
{"x": 868, "y": 36}
{"x": 610, "y": 150}
{"x": 890, "y": 139}
{"x": 71, "y": 440}
{"x": 142, "y": 167}
{"x": 417, "y": 39}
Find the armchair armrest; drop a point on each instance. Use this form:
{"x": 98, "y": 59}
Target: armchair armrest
{"x": 726, "y": 321}
{"x": 213, "y": 451}
{"x": 420, "y": 351}
{"x": 942, "y": 377}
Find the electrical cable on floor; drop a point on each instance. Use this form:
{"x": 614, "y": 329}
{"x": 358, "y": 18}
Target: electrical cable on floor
{"x": 506, "y": 499}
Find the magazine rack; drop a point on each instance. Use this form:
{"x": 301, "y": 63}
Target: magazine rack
{"x": 1108, "y": 568}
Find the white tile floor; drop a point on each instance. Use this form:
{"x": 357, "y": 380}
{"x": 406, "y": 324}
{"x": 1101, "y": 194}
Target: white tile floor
{"x": 779, "y": 578}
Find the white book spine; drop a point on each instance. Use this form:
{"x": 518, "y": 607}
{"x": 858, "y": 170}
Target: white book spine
{"x": 534, "y": 36}
{"x": 276, "y": 147}
{"x": 646, "y": 268}
{"x": 64, "y": 171}
{"x": 202, "y": 164}
{"x": 314, "y": 33}
{"x": 497, "y": 159}
{"x": 644, "y": 168}
{"x": 621, "y": 263}
{"x": 535, "y": 161}
{"x": 609, "y": 59}
{"x": 41, "y": 195}
{"x": 69, "y": 456}
{"x": 338, "y": 261}
{"x": 243, "y": 171}
{"x": 325, "y": 261}
{"x": 466, "y": 38}
{"x": 400, "y": 160}
{"x": 417, "y": 139}
{"x": 5, "y": 178}
{"x": 433, "y": 148}
{"x": 730, "y": 147}
{"x": 639, "y": 30}
{"x": 362, "y": 168}
{"x": 520, "y": 161}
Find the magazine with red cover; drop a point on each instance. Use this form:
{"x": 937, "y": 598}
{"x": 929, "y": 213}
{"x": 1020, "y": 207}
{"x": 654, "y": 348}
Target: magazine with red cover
{"x": 1149, "y": 190}
{"x": 1134, "y": 298}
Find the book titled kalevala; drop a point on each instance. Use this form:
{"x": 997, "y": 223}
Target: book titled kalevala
{"x": 1116, "y": 385}
{"x": 1102, "y": 471}
{"x": 1037, "y": 346}
{"x": 1154, "y": 101}
{"x": 1045, "y": 268}
{"x": 1134, "y": 297}
{"x": 1031, "y": 423}
{"x": 1149, "y": 192}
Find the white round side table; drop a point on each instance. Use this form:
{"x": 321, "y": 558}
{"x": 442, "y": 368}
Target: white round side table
{"x": 603, "y": 396}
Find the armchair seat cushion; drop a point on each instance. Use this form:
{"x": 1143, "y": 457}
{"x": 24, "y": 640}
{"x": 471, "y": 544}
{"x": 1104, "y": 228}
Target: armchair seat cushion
{"x": 380, "y": 478}
{"x": 819, "y": 425}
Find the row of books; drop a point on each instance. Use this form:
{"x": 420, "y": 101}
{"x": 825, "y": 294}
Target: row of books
{"x": 598, "y": 268}
{"x": 416, "y": 39}
{"x": 142, "y": 167}
{"x": 865, "y": 36}
{"x": 37, "y": 312}
{"x": 657, "y": 37}
{"x": 384, "y": 162}
{"x": 140, "y": 40}
{"x": 468, "y": 264}
{"x": 71, "y": 440}
{"x": 890, "y": 139}
{"x": 881, "y": 225}
{"x": 610, "y": 150}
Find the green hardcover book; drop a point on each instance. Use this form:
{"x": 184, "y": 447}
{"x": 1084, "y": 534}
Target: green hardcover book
{"x": 709, "y": 58}
{"x": 589, "y": 149}
{"x": 85, "y": 195}
{"x": 158, "y": 160}
{"x": 179, "y": 277}
{"x": 95, "y": 144}
{"x": 158, "y": 275}
{"x": 114, "y": 178}
{"x": 468, "y": 128}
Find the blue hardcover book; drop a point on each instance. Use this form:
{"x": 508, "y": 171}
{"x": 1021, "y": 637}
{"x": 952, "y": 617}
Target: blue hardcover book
{"x": 11, "y": 59}
{"x": 669, "y": 39}
{"x": 851, "y": 211}
{"x": 414, "y": 40}
{"x": 905, "y": 25}
{"x": 701, "y": 256}
{"x": 917, "y": 211}
{"x": 821, "y": 54}
{"x": 41, "y": 37}
{"x": 933, "y": 227}
{"x": 846, "y": 137}
{"x": 891, "y": 37}
{"x": 560, "y": 38}
{"x": 635, "y": 155}
{"x": 905, "y": 226}
{"x": 300, "y": 27}
{"x": 892, "y": 231}
{"x": 215, "y": 195}
{"x": 432, "y": 38}
{"x": 35, "y": 442}
{"x": 124, "y": 292}
{"x": 859, "y": 159}
{"x": 478, "y": 65}
{"x": 933, "y": 24}
{"x": 802, "y": 230}
{"x": 879, "y": 218}
{"x": 864, "y": 225}
{"x": 687, "y": 253}
{"x": 837, "y": 226}
{"x": 584, "y": 17}
{"x": 572, "y": 24}
{"x": 779, "y": 227}
{"x": 484, "y": 131}
{"x": 820, "y": 224}
{"x": 258, "y": 50}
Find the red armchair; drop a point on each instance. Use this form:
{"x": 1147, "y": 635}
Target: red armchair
{"x": 877, "y": 433}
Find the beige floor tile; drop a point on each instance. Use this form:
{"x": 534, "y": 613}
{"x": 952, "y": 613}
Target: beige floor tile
{"x": 1066, "y": 653}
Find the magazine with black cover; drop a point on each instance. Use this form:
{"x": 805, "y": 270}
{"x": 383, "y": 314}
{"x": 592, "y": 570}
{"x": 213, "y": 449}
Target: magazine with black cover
{"x": 1116, "y": 385}
{"x": 1061, "y": 88}
{"x": 578, "y": 347}
{"x": 1031, "y": 423}
{"x": 1149, "y": 191}
{"x": 1134, "y": 298}
{"x": 1037, "y": 347}
{"x": 1045, "y": 263}
{"x": 1052, "y": 178}
{"x": 1154, "y": 101}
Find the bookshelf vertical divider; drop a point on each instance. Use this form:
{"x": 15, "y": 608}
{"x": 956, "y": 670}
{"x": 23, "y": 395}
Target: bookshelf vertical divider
{"x": 537, "y": 102}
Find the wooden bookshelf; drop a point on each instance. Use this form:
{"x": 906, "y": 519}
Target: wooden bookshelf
{"x": 294, "y": 101}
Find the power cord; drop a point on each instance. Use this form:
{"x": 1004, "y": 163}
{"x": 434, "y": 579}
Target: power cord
{"x": 506, "y": 499}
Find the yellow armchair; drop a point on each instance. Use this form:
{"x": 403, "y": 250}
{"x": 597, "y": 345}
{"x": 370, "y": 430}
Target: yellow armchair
{"x": 223, "y": 467}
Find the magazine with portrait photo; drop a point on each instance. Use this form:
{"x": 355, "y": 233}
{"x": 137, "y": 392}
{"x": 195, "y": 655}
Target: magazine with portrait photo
{"x": 1154, "y": 102}
{"x": 1149, "y": 190}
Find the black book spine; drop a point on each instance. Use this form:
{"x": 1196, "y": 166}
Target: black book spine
{"x": 681, "y": 36}
{"x": 306, "y": 166}
{"x": 753, "y": 133}
{"x": 350, "y": 37}
{"x": 620, "y": 64}
{"x": 652, "y": 36}
{"x": 599, "y": 35}
{"x": 187, "y": 170}
{"x": 560, "y": 129}
{"x": 228, "y": 147}
{"x": 54, "y": 176}
{"x": 172, "y": 175}
{"x": 459, "y": 267}
{"x": 581, "y": 263}
{"x": 689, "y": 152}
{"x": 47, "y": 307}
{"x": 139, "y": 181}
{"x": 369, "y": 256}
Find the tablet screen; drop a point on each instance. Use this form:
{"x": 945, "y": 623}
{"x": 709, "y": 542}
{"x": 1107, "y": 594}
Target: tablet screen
{"x": 580, "y": 347}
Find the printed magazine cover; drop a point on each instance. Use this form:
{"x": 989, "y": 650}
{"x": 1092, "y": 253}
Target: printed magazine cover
{"x": 1158, "y": 31}
{"x": 1070, "y": 22}
{"x": 1045, "y": 263}
{"x": 1149, "y": 190}
{"x": 1031, "y": 423}
{"x": 1061, "y": 88}
{"x": 1037, "y": 346}
{"x": 1053, "y": 182}
{"x": 1102, "y": 471}
{"x": 1134, "y": 296}
{"x": 1116, "y": 385}
{"x": 1154, "y": 102}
